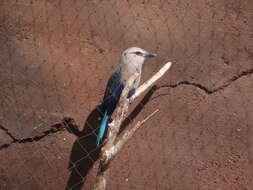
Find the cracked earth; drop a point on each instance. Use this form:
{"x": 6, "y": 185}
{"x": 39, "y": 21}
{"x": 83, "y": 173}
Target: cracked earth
{"x": 54, "y": 65}
{"x": 61, "y": 126}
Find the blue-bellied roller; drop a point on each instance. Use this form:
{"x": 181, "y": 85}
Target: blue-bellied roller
{"x": 131, "y": 61}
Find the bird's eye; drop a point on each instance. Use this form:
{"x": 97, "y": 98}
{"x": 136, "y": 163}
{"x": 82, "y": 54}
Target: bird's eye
{"x": 138, "y": 53}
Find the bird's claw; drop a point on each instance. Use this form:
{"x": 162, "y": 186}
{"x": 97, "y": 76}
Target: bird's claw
{"x": 111, "y": 124}
{"x": 129, "y": 101}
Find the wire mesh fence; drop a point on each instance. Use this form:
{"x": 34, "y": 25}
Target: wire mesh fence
{"x": 56, "y": 58}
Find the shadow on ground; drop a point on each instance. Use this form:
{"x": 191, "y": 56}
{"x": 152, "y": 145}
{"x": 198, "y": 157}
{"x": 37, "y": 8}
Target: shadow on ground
{"x": 85, "y": 151}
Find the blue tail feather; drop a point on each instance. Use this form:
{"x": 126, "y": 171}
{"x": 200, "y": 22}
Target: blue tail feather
{"x": 102, "y": 127}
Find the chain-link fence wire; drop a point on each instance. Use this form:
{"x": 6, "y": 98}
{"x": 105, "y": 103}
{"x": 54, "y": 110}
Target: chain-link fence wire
{"x": 56, "y": 57}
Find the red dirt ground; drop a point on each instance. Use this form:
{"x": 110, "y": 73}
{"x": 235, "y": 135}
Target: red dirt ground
{"x": 56, "y": 57}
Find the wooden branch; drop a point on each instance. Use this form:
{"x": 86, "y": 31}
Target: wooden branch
{"x": 110, "y": 149}
{"x": 128, "y": 134}
{"x": 114, "y": 127}
{"x": 121, "y": 112}
{"x": 112, "y": 152}
{"x": 151, "y": 81}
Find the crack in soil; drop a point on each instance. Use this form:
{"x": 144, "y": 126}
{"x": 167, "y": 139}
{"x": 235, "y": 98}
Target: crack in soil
{"x": 65, "y": 123}
{"x": 54, "y": 129}
{"x": 205, "y": 89}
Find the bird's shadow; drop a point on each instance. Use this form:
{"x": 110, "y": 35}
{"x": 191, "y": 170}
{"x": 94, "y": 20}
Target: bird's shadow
{"x": 85, "y": 151}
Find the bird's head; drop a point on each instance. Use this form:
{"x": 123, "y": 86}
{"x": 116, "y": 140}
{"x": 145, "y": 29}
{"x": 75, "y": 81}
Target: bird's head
{"x": 136, "y": 55}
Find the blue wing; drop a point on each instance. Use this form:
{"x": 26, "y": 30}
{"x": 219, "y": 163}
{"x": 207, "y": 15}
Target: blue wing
{"x": 113, "y": 92}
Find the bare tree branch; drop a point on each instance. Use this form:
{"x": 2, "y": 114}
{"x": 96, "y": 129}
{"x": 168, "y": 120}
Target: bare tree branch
{"x": 151, "y": 81}
{"x": 129, "y": 133}
{"x": 111, "y": 148}
{"x": 121, "y": 112}
{"x": 114, "y": 127}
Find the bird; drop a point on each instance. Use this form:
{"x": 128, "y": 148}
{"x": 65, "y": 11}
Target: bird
{"x": 130, "y": 62}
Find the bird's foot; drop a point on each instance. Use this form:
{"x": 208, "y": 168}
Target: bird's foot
{"x": 111, "y": 124}
{"x": 129, "y": 101}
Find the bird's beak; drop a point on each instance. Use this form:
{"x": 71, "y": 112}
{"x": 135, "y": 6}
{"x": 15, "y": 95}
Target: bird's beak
{"x": 150, "y": 54}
